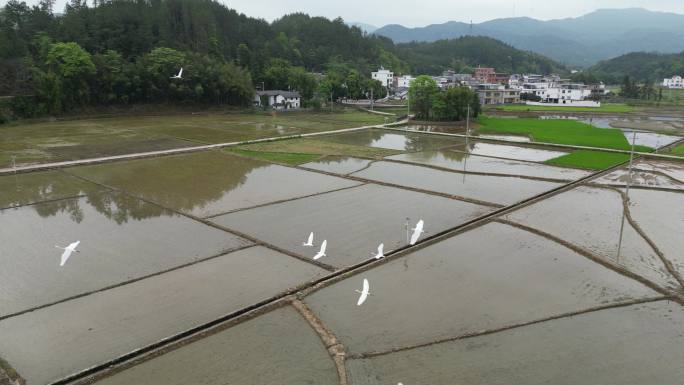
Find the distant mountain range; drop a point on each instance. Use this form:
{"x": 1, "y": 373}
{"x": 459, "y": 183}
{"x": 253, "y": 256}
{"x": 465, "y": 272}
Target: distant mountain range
{"x": 581, "y": 41}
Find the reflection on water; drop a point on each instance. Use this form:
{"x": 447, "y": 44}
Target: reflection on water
{"x": 56, "y": 186}
{"x": 24, "y": 189}
{"x": 209, "y": 183}
{"x": 409, "y": 141}
{"x": 511, "y": 138}
{"x": 449, "y": 129}
{"x": 650, "y": 139}
{"x": 514, "y": 152}
{"x": 338, "y": 164}
{"x": 460, "y": 161}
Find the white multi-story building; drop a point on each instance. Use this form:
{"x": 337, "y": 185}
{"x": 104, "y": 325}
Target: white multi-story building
{"x": 386, "y": 77}
{"x": 674, "y": 82}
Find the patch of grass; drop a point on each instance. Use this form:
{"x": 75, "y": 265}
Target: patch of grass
{"x": 318, "y": 147}
{"x": 590, "y": 160}
{"x": 569, "y": 132}
{"x": 291, "y": 158}
{"x": 679, "y": 150}
{"x": 605, "y": 107}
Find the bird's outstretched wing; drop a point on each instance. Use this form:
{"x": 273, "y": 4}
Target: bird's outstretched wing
{"x": 74, "y": 245}
{"x": 180, "y": 74}
{"x": 65, "y": 257}
{"x": 321, "y": 253}
{"x": 364, "y": 293}
{"x": 309, "y": 242}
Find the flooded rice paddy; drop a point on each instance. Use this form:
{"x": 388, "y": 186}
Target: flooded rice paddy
{"x": 409, "y": 141}
{"x": 338, "y": 164}
{"x": 584, "y": 278}
{"x": 499, "y": 190}
{"x": 100, "y": 327}
{"x": 25, "y": 189}
{"x": 467, "y": 284}
{"x": 462, "y": 162}
{"x": 514, "y": 152}
{"x": 600, "y": 226}
{"x": 632, "y": 345}
{"x": 122, "y": 238}
{"x": 353, "y": 221}
{"x": 210, "y": 183}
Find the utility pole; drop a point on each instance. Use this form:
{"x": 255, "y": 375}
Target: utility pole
{"x": 331, "y": 101}
{"x": 468, "y": 123}
{"x": 372, "y": 100}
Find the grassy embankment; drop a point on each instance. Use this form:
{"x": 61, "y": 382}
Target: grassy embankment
{"x": 300, "y": 151}
{"x": 41, "y": 142}
{"x": 605, "y": 107}
{"x": 567, "y": 132}
{"x": 679, "y": 150}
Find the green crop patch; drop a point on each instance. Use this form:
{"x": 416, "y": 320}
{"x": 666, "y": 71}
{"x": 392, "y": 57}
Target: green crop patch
{"x": 590, "y": 160}
{"x": 559, "y": 131}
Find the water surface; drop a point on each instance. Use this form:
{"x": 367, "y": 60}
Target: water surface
{"x": 486, "y": 278}
{"x": 122, "y": 238}
{"x": 210, "y": 183}
{"x": 493, "y": 189}
{"x": 634, "y": 345}
{"x": 353, "y": 221}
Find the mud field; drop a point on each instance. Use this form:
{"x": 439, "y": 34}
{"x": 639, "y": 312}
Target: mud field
{"x": 192, "y": 268}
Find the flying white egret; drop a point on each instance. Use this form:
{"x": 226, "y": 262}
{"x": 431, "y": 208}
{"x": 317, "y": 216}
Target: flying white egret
{"x": 364, "y": 293}
{"x": 179, "y": 76}
{"x": 321, "y": 252}
{"x": 309, "y": 243}
{"x": 68, "y": 251}
{"x": 417, "y": 232}
{"x": 381, "y": 252}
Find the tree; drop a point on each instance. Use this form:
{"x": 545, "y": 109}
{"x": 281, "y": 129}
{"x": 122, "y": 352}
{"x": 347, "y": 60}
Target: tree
{"x": 422, "y": 92}
{"x": 70, "y": 66}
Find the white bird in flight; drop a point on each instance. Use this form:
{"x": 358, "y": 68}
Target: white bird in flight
{"x": 364, "y": 293}
{"x": 179, "y": 76}
{"x": 68, "y": 251}
{"x": 309, "y": 243}
{"x": 381, "y": 252}
{"x": 417, "y": 232}
{"x": 321, "y": 252}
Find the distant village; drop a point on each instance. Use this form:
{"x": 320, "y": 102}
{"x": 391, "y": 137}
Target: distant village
{"x": 493, "y": 88}
{"x": 496, "y": 88}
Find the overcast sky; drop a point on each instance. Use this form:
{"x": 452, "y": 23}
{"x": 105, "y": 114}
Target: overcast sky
{"x": 419, "y": 13}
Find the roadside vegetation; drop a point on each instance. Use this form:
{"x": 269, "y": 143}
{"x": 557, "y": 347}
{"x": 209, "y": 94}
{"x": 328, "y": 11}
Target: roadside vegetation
{"x": 560, "y": 131}
{"x": 605, "y": 107}
{"x": 590, "y": 160}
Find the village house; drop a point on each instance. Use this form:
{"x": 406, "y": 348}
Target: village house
{"x": 278, "y": 100}
{"x": 674, "y": 82}
{"x": 386, "y": 77}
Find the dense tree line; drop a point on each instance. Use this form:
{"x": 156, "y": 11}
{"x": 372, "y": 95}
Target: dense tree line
{"x": 465, "y": 53}
{"x": 640, "y": 66}
{"x": 430, "y": 103}
{"x": 106, "y": 52}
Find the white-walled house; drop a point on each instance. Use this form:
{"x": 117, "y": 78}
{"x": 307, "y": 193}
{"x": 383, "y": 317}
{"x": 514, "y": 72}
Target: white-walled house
{"x": 674, "y": 82}
{"x": 403, "y": 81}
{"x": 386, "y": 77}
{"x": 279, "y": 100}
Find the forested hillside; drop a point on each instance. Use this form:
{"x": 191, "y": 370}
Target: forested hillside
{"x": 464, "y": 53}
{"x": 640, "y": 66}
{"x": 122, "y": 52}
